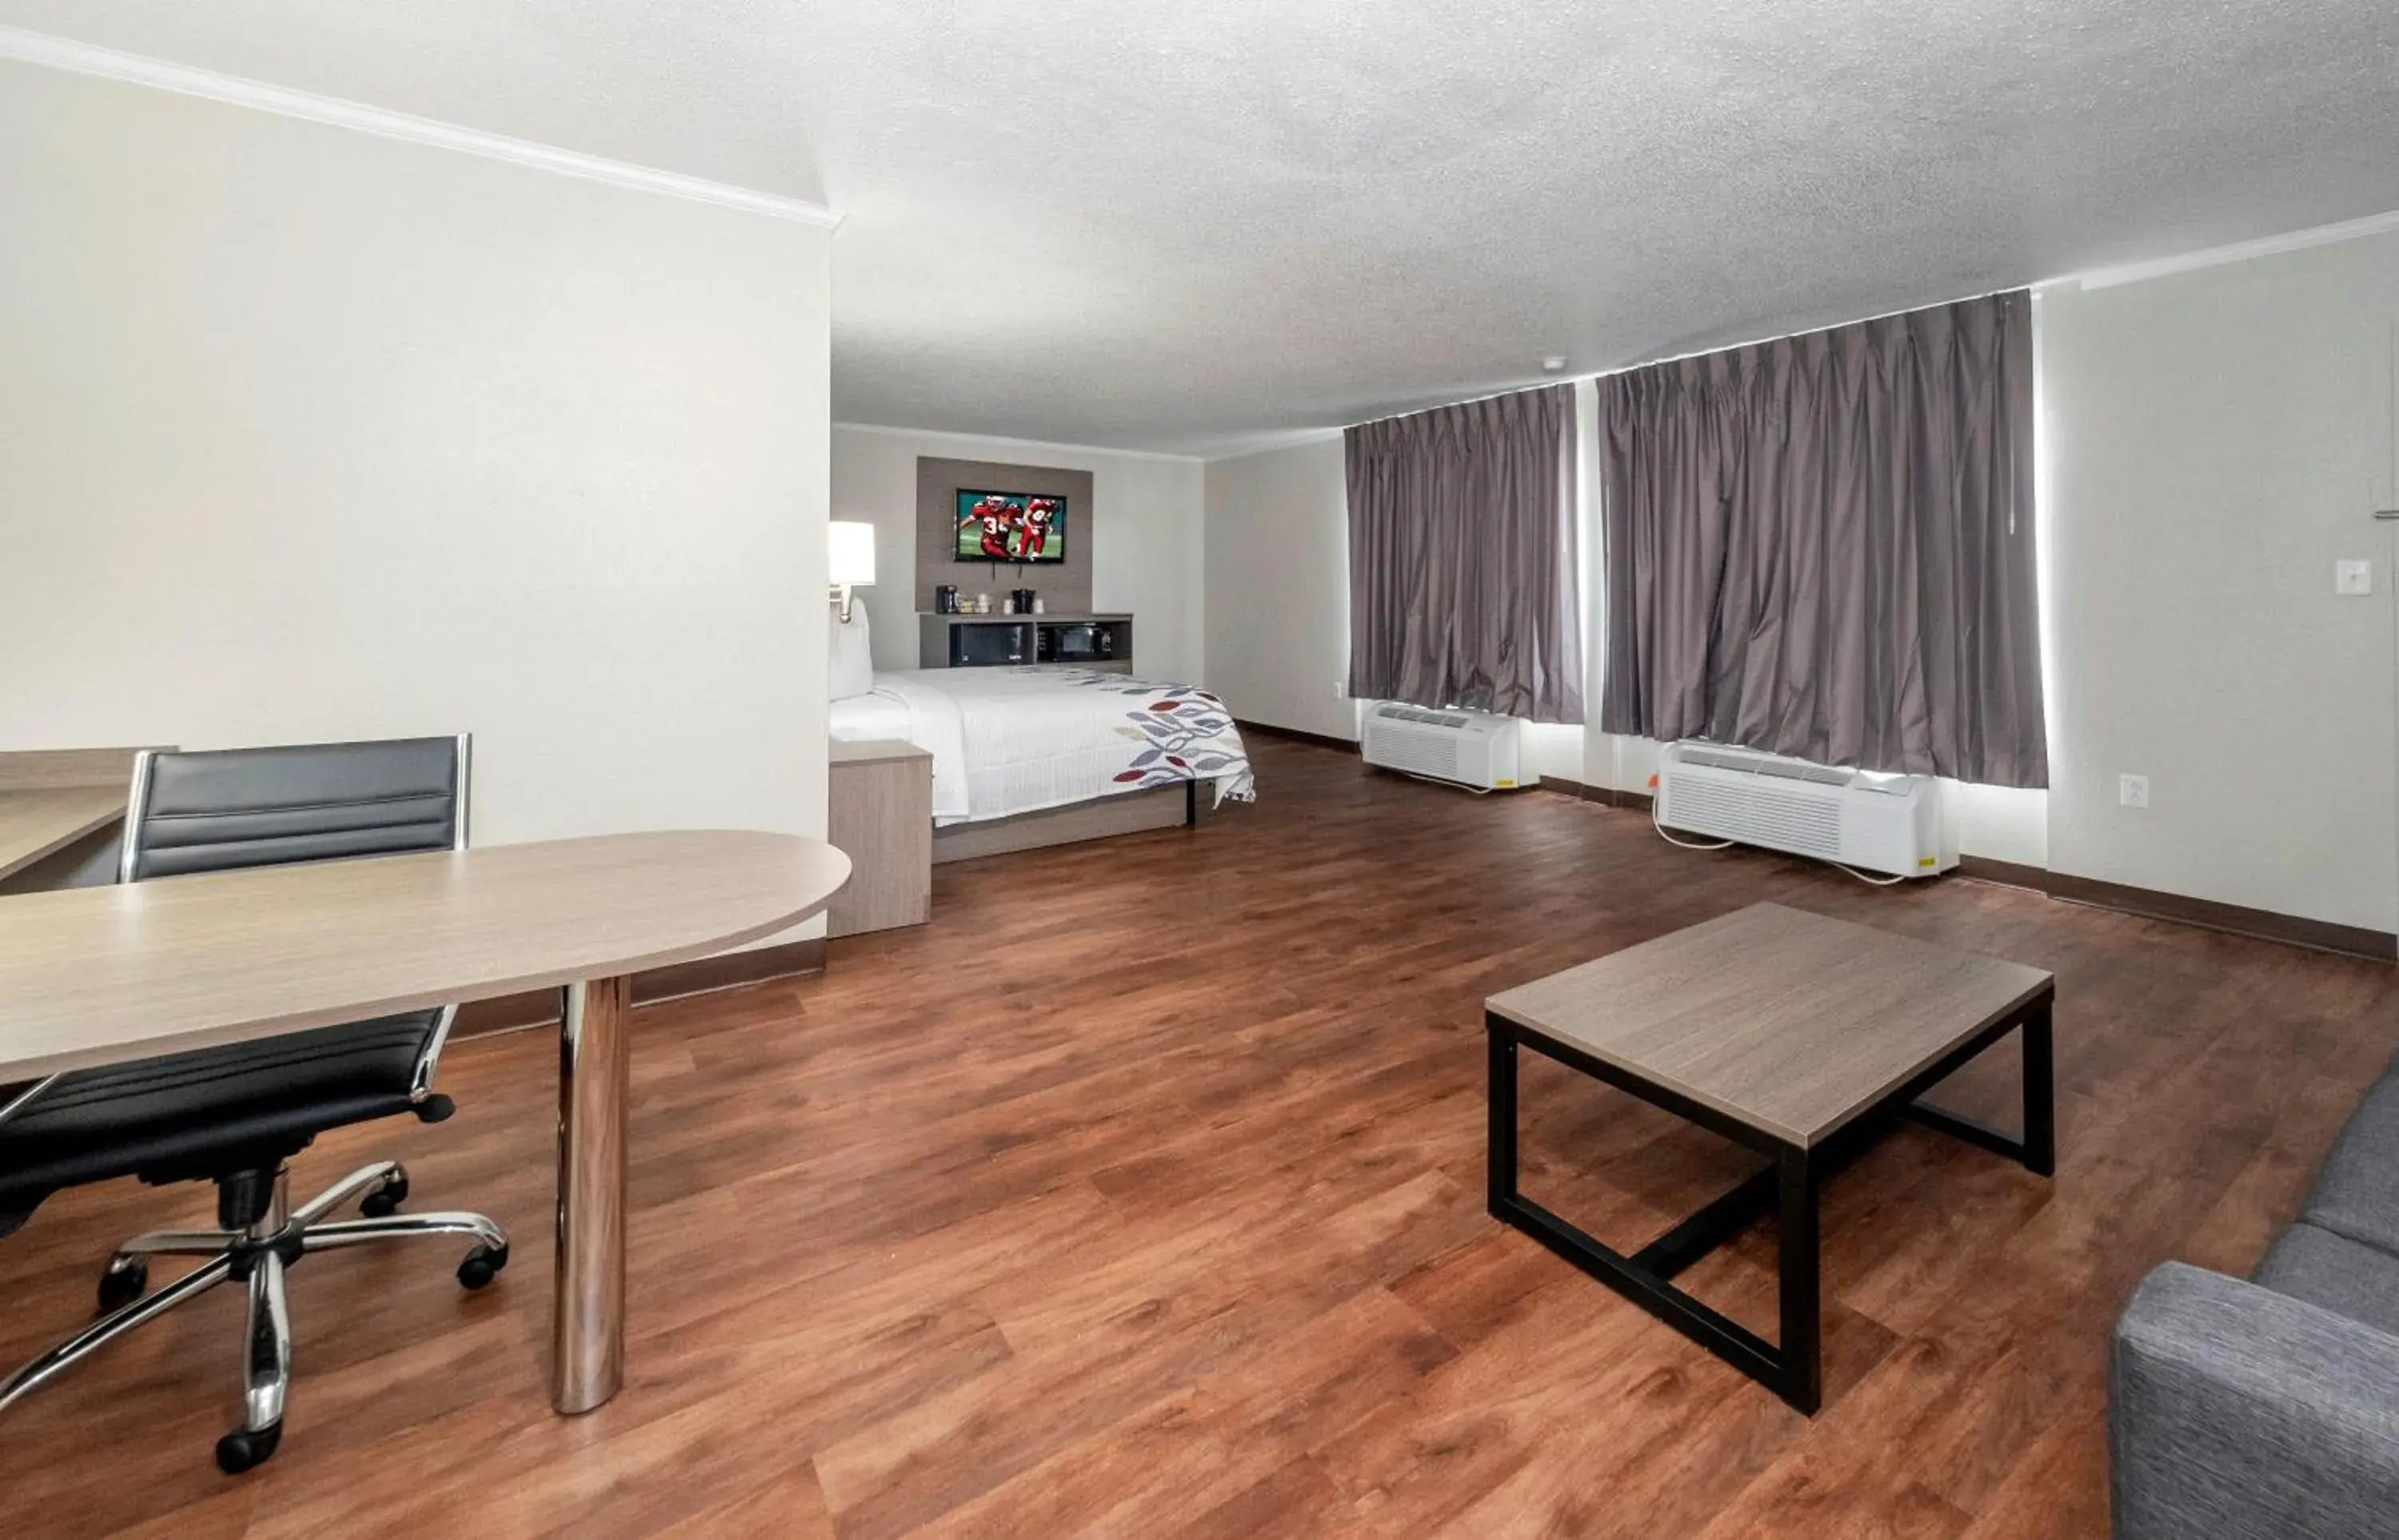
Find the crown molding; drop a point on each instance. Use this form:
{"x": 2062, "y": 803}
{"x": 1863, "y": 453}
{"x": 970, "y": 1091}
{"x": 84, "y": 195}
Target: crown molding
{"x": 2247, "y": 250}
{"x": 994, "y": 441}
{"x": 1242, "y": 446}
{"x": 61, "y": 53}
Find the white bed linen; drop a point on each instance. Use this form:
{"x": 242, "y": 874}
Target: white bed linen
{"x": 1007, "y": 740}
{"x": 898, "y": 709}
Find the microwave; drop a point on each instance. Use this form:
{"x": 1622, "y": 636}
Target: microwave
{"x": 988, "y": 646}
{"x": 1078, "y": 641}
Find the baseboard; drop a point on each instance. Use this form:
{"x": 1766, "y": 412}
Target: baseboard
{"x": 1574, "y": 788}
{"x": 1294, "y": 734}
{"x": 2208, "y": 914}
{"x": 2263, "y": 924}
{"x": 732, "y": 969}
{"x": 2006, "y": 873}
{"x": 1606, "y": 796}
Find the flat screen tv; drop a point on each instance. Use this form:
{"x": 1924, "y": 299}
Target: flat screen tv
{"x": 1012, "y": 526}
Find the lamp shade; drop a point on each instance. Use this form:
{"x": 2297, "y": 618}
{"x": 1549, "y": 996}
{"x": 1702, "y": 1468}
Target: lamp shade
{"x": 853, "y": 553}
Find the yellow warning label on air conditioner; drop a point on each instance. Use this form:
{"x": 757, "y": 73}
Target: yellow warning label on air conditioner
{"x": 1927, "y": 860}
{"x": 1502, "y": 785}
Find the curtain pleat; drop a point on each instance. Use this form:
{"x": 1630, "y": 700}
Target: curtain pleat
{"x": 1465, "y": 585}
{"x": 1822, "y": 546}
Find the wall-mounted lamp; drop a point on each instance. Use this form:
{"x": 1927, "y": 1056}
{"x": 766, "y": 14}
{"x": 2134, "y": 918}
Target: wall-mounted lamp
{"x": 853, "y": 560}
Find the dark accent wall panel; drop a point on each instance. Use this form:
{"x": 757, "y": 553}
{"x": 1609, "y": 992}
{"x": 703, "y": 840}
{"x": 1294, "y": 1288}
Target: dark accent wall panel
{"x": 1064, "y": 586}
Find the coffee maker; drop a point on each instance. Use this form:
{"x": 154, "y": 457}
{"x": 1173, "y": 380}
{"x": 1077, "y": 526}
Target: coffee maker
{"x": 1022, "y": 599}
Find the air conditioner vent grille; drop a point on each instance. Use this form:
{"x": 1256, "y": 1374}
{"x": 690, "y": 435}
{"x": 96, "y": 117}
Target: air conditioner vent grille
{"x": 1806, "y": 809}
{"x": 1706, "y": 804}
{"x": 1814, "y": 774}
{"x": 1807, "y": 825}
{"x": 1766, "y": 764}
{"x": 1420, "y": 753}
{"x": 1468, "y": 747}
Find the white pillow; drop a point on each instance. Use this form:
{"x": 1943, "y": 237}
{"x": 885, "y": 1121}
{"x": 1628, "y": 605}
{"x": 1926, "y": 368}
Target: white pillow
{"x": 853, "y": 660}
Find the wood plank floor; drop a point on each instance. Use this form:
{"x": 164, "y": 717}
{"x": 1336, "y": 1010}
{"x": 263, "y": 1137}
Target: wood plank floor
{"x": 1147, "y": 1200}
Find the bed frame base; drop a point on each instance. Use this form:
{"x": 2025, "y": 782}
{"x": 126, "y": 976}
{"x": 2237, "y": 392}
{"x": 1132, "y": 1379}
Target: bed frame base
{"x": 1126, "y": 812}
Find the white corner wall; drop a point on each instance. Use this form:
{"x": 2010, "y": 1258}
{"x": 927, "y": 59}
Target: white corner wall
{"x": 314, "y": 435}
{"x": 1278, "y": 564}
{"x": 2217, "y": 441}
{"x": 1144, "y": 532}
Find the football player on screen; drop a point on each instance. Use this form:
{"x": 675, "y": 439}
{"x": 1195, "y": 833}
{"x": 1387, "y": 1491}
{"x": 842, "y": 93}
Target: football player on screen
{"x": 1039, "y": 513}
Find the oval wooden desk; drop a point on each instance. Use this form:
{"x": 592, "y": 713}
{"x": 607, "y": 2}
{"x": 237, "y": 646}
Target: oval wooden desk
{"x": 105, "y": 975}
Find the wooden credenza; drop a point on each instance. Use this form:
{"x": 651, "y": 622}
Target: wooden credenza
{"x": 880, "y": 814}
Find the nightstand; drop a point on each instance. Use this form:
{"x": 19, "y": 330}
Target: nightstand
{"x": 880, "y": 814}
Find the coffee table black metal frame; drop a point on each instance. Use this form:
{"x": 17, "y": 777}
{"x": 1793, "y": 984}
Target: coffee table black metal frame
{"x": 1790, "y": 1186}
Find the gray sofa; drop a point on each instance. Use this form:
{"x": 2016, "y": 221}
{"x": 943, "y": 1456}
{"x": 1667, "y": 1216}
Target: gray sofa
{"x": 2270, "y": 1406}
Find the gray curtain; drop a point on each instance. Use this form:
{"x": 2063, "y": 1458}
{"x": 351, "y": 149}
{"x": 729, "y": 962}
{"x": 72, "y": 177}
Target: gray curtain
{"x": 1822, "y": 545}
{"x": 1464, "y": 578}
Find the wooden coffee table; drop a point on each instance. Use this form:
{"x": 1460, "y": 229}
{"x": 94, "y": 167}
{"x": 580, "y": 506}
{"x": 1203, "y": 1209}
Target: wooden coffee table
{"x": 1799, "y": 1036}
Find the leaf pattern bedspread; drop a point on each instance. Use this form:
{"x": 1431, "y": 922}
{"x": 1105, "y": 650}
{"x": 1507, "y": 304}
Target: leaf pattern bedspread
{"x": 1180, "y": 733}
{"x": 1016, "y": 740}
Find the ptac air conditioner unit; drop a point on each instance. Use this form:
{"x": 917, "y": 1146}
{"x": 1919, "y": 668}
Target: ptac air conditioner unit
{"x": 1897, "y": 824}
{"x": 1468, "y": 749}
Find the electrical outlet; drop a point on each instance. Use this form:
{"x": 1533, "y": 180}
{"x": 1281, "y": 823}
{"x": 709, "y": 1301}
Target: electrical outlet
{"x": 2132, "y": 790}
{"x": 1341, "y": 689}
{"x": 2353, "y": 576}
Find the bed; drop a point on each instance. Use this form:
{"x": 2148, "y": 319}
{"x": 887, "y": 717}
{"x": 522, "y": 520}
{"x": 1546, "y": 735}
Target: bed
{"x": 1029, "y": 757}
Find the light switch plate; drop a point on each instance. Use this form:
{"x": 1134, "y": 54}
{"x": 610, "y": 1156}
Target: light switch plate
{"x": 2351, "y": 576}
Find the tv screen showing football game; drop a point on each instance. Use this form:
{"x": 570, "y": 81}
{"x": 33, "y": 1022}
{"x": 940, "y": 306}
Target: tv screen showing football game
{"x": 1012, "y": 526}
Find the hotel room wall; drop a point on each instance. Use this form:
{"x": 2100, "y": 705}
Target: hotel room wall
{"x": 317, "y": 435}
{"x": 1143, "y": 526}
{"x": 1278, "y": 561}
{"x": 2217, "y": 441}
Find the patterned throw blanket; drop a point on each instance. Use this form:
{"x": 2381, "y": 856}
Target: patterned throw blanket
{"x": 1179, "y": 732}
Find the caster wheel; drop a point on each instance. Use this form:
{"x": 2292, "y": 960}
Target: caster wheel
{"x": 245, "y": 1449}
{"x": 121, "y": 1286}
{"x": 482, "y": 1264}
{"x": 385, "y": 1201}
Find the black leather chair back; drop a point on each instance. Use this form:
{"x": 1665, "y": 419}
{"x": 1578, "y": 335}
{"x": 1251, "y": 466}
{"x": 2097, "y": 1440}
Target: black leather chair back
{"x": 236, "y": 807}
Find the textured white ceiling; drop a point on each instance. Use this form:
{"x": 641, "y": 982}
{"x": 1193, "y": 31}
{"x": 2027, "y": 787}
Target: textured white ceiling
{"x": 1185, "y": 223}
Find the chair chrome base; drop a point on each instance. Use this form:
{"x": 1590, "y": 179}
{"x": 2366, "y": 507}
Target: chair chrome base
{"x": 257, "y": 1256}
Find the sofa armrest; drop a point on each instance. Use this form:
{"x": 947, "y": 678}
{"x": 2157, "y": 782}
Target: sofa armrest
{"x": 2235, "y": 1412}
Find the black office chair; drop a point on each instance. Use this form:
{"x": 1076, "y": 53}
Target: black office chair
{"x": 235, "y": 1115}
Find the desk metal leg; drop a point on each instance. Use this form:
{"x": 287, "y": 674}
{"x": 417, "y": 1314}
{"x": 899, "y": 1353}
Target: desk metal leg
{"x": 588, "y": 1319}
